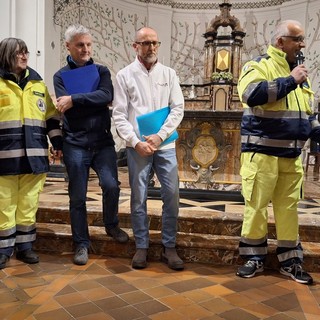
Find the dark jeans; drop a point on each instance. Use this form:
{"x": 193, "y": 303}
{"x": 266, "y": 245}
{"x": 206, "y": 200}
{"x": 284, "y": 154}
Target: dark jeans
{"x": 78, "y": 162}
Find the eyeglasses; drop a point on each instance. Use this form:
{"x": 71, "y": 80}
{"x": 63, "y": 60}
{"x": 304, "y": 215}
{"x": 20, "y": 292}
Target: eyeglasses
{"x": 149, "y": 43}
{"x": 295, "y": 39}
{"x": 21, "y": 54}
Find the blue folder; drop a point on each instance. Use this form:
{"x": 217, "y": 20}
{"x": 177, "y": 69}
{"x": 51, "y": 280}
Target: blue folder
{"x": 150, "y": 123}
{"x": 81, "y": 80}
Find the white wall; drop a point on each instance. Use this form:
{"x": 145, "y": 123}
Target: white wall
{"x": 32, "y": 20}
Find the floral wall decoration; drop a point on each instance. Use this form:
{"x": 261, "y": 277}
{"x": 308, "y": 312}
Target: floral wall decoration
{"x": 113, "y": 24}
{"x": 186, "y": 55}
{"x": 112, "y": 29}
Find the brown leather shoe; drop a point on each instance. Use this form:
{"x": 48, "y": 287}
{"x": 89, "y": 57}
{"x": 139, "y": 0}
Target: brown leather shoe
{"x": 27, "y": 256}
{"x": 170, "y": 257}
{"x": 139, "y": 260}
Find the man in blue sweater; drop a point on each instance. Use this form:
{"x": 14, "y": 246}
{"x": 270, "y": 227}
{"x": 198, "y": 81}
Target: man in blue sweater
{"x": 87, "y": 139}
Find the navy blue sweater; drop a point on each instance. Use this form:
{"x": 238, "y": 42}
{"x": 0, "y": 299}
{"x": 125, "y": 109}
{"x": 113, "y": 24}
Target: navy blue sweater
{"x": 88, "y": 122}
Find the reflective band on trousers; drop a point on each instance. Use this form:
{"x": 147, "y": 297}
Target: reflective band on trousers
{"x": 290, "y": 255}
{"x": 261, "y": 141}
{"x": 251, "y": 251}
{"x": 283, "y": 114}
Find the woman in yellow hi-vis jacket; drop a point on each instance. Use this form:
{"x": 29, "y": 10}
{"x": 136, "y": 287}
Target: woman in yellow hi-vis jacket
{"x": 277, "y": 120}
{"x": 27, "y": 117}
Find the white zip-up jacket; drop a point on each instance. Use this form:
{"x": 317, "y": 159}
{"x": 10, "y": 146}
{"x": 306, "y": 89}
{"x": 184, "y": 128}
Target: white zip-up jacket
{"x": 138, "y": 91}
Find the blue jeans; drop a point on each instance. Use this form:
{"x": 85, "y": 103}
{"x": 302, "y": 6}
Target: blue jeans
{"x": 78, "y": 162}
{"x": 164, "y": 164}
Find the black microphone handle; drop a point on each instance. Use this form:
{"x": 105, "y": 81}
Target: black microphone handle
{"x": 300, "y": 60}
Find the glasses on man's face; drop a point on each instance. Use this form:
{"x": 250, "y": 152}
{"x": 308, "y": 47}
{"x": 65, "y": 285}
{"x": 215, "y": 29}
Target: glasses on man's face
{"x": 149, "y": 43}
{"x": 21, "y": 54}
{"x": 299, "y": 39}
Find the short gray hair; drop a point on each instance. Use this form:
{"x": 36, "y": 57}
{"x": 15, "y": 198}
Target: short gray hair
{"x": 282, "y": 29}
{"x": 75, "y": 30}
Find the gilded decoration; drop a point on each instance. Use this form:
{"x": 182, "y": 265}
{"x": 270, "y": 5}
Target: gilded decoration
{"x": 204, "y": 151}
{"x": 223, "y": 60}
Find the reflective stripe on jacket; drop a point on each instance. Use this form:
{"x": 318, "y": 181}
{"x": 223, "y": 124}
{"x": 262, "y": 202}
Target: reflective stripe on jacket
{"x": 277, "y": 113}
{"x": 27, "y": 116}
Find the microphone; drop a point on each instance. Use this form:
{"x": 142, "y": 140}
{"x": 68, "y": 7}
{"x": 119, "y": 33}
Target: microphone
{"x": 300, "y": 60}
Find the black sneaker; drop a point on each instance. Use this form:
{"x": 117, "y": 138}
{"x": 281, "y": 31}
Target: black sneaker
{"x": 296, "y": 272}
{"x": 118, "y": 234}
{"x": 249, "y": 269}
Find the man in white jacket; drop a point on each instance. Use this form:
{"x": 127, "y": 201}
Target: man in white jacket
{"x": 142, "y": 87}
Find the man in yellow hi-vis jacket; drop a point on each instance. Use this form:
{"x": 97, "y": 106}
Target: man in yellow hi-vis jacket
{"x": 277, "y": 120}
{"x": 27, "y": 117}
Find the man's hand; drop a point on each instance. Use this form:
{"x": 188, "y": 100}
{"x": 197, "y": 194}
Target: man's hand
{"x": 64, "y": 103}
{"x": 144, "y": 149}
{"x": 154, "y": 140}
{"x": 299, "y": 73}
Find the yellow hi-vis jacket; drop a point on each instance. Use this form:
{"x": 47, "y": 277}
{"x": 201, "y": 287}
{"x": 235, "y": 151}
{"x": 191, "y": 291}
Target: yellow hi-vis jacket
{"x": 27, "y": 117}
{"x": 277, "y": 118}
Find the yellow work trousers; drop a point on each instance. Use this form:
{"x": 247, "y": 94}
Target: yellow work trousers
{"x": 279, "y": 180}
{"x": 19, "y": 200}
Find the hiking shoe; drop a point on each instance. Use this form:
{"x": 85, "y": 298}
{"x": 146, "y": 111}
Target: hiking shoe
{"x": 170, "y": 256}
{"x": 296, "y": 272}
{"x": 81, "y": 256}
{"x": 118, "y": 234}
{"x": 249, "y": 269}
{"x": 27, "y": 256}
{"x": 139, "y": 260}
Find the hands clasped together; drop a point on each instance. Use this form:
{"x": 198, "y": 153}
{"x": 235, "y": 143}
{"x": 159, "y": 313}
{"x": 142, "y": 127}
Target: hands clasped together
{"x": 149, "y": 146}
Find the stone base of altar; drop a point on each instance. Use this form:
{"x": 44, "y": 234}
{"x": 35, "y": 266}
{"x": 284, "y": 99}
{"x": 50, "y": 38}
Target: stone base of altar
{"x": 208, "y": 150}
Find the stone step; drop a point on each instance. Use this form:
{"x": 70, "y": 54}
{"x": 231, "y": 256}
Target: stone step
{"x": 203, "y": 248}
{"x": 202, "y": 222}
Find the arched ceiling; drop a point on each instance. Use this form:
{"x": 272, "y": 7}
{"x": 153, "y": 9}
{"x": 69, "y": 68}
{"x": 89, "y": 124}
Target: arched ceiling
{"x": 214, "y": 4}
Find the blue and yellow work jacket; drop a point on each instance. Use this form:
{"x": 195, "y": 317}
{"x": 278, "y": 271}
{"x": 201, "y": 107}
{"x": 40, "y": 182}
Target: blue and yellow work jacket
{"x": 277, "y": 118}
{"x": 27, "y": 117}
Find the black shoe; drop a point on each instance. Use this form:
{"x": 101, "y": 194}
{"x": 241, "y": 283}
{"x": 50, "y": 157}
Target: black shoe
{"x": 296, "y": 273}
{"x": 117, "y": 234}
{"x": 3, "y": 260}
{"x": 249, "y": 269}
{"x": 27, "y": 256}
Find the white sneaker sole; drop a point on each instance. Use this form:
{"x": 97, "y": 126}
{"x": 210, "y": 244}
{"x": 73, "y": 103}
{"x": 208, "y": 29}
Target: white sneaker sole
{"x": 288, "y": 274}
{"x": 250, "y": 275}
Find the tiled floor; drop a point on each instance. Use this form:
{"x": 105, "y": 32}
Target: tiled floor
{"x": 108, "y": 288}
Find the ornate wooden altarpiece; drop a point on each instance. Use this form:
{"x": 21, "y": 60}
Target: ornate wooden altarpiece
{"x": 208, "y": 148}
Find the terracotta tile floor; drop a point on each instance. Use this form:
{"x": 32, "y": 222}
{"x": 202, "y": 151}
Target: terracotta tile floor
{"x": 108, "y": 288}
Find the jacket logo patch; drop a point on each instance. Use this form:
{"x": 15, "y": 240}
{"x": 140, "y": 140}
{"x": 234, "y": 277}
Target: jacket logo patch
{"x": 39, "y": 94}
{"x": 41, "y": 105}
